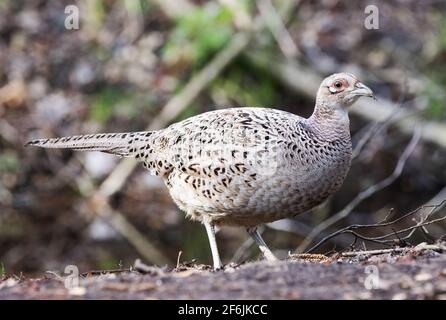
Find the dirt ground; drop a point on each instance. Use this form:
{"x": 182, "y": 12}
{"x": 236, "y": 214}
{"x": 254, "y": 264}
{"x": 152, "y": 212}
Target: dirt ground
{"x": 410, "y": 273}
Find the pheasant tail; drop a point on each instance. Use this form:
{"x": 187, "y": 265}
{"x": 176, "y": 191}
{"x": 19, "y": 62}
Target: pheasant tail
{"x": 120, "y": 144}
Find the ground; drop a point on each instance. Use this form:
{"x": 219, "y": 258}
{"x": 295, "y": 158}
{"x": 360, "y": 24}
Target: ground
{"x": 405, "y": 273}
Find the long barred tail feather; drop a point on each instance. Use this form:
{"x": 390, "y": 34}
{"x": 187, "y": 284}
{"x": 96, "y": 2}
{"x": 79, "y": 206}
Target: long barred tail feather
{"x": 120, "y": 144}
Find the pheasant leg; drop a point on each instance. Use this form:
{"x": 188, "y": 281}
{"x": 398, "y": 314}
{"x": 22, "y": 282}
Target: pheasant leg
{"x": 213, "y": 244}
{"x": 255, "y": 235}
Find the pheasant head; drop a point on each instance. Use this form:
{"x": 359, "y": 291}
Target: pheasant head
{"x": 342, "y": 90}
{"x": 336, "y": 93}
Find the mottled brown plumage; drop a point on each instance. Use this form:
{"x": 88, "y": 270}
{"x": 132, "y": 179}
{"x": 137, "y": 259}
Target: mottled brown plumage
{"x": 244, "y": 166}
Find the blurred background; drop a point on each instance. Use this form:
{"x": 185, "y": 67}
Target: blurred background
{"x": 137, "y": 64}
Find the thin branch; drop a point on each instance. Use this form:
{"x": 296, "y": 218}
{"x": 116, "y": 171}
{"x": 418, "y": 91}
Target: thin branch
{"x": 372, "y": 252}
{"x": 397, "y": 240}
{"x": 382, "y": 239}
{"x": 420, "y": 247}
{"x": 364, "y": 194}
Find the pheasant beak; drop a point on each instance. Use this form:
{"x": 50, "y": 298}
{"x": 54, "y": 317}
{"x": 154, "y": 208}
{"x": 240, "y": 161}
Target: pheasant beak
{"x": 361, "y": 89}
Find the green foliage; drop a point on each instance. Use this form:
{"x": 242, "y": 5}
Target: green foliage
{"x": 9, "y": 161}
{"x": 111, "y": 101}
{"x": 246, "y": 88}
{"x": 199, "y": 34}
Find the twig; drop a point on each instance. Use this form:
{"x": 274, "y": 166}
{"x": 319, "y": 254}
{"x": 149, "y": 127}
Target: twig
{"x": 372, "y": 252}
{"x": 179, "y": 259}
{"x": 411, "y": 229}
{"x": 143, "y": 268}
{"x": 382, "y": 239}
{"x": 364, "y": 194}
{"x": 298, "y": 228}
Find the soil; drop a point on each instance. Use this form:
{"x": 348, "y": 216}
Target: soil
{"x": 410, "y": 273}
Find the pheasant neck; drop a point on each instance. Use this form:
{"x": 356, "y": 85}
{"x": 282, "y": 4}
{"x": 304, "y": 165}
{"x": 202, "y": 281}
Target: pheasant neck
{"x": 330, "y": 123}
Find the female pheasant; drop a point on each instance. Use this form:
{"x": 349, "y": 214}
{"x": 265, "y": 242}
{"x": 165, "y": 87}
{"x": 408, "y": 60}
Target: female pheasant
{"x": 244, "y": 166}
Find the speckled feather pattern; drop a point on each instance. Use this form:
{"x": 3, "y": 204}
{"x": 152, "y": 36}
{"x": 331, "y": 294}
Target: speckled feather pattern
{"x": 238, "y": 166}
